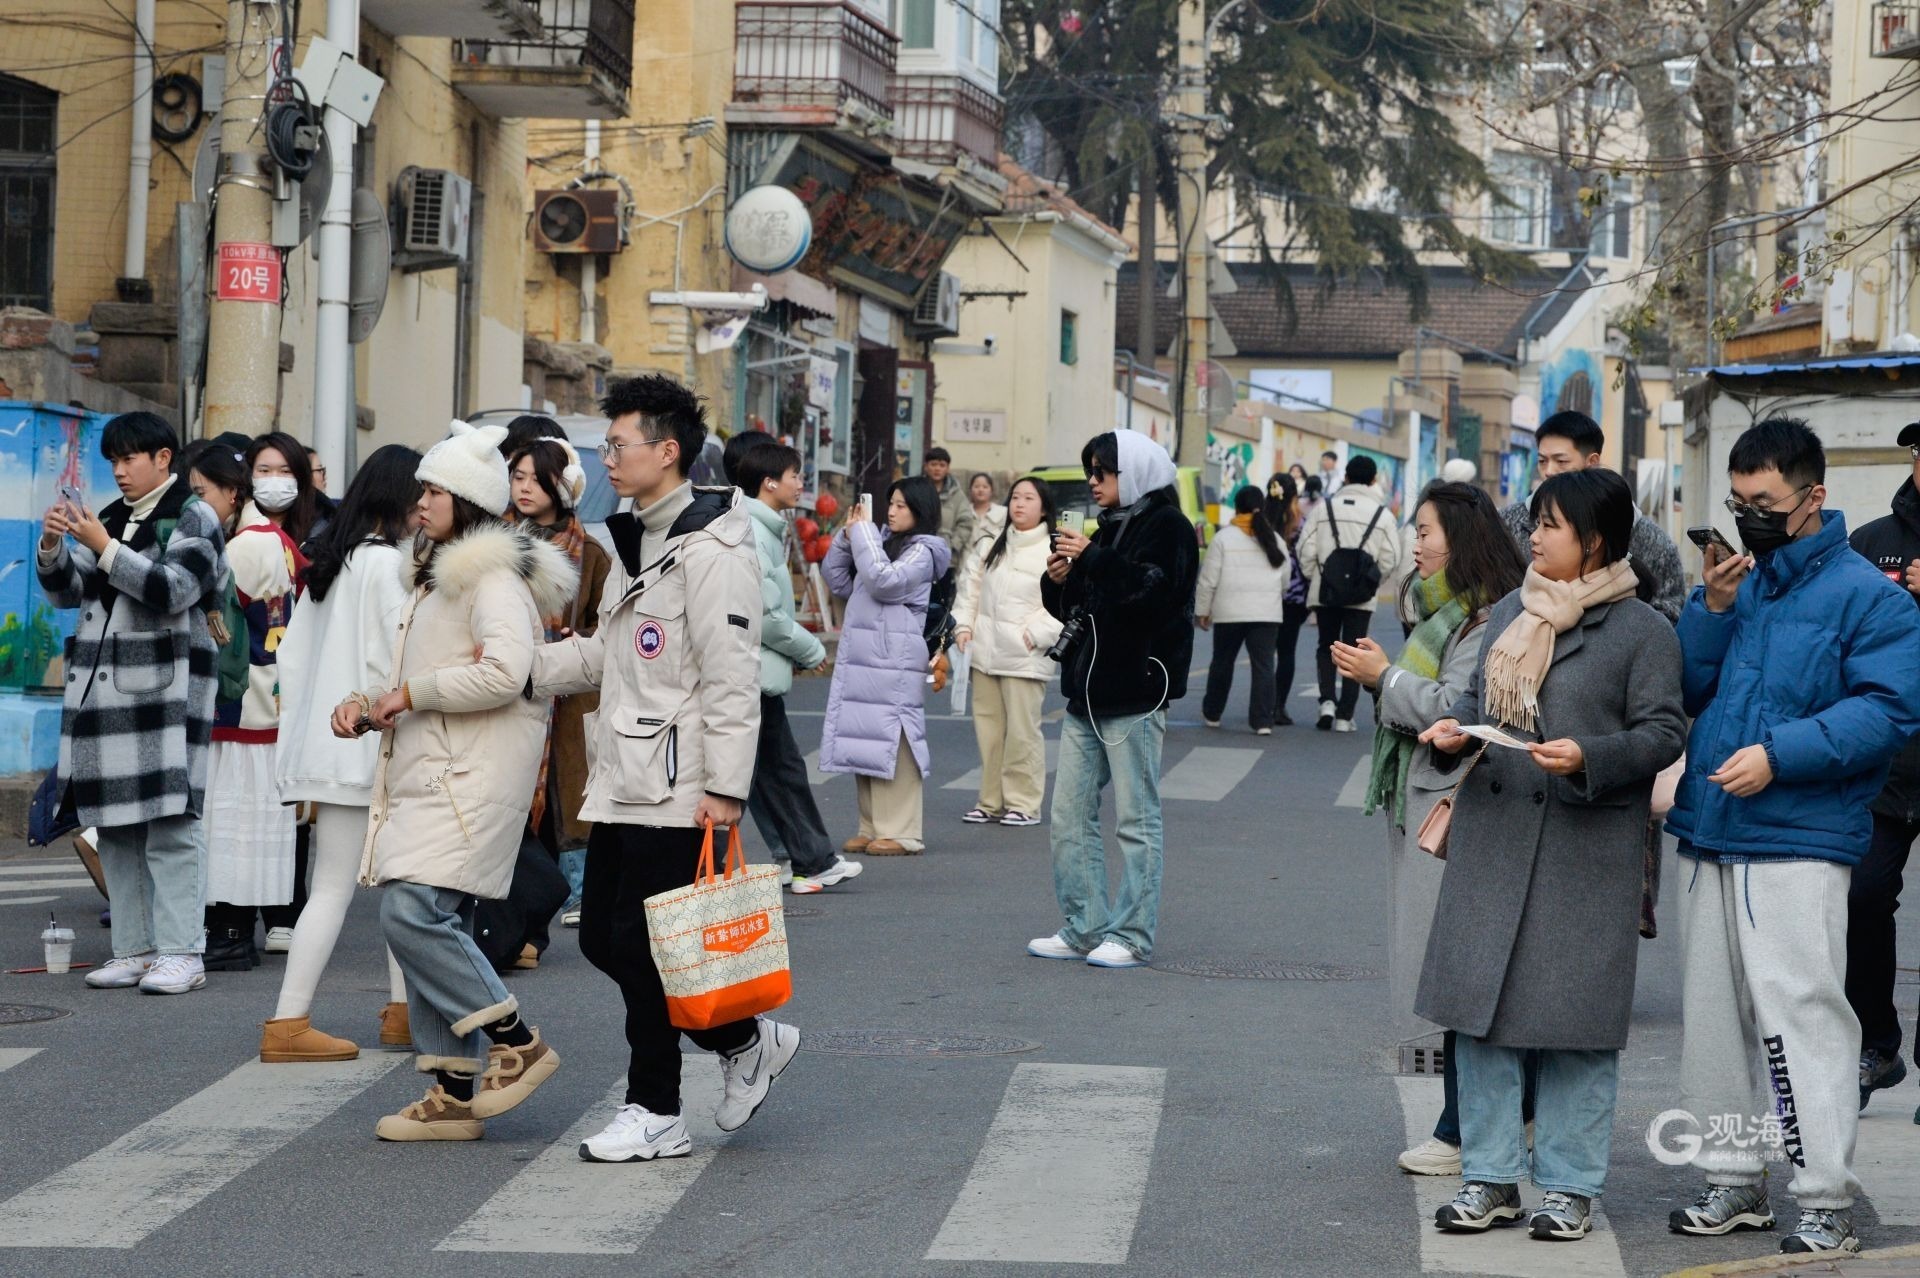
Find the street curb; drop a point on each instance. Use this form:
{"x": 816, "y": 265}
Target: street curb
{"x": 1827, "y": 1263}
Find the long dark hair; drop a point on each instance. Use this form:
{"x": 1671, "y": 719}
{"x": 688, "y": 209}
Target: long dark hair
{"x": 1283, "y": 512}
{"x": 219, "y": 464}
{"x": 549, "y": 469}
{"x": 1598, "y": 504}
{"x": 298, "y": 519}
{"x": 466, "y": 518}
{"x": 923, "y": 503}
{"x": 1046, "y": 516}
{"x": 1484, "y": 565}
{"x": 378, "y": 507}
{"x": 1250, "y": 501}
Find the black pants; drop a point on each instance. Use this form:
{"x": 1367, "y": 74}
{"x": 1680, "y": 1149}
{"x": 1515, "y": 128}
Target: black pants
{"x": 781, "y": 799}
{"x": 1347, "y": 625}
{"x": 1285, "y": 645}
{"x": 501, "y": 928}
{"x": 1228, "y": 637}
{"x": 1871, "y": 901}
{"x": 626, "y": 864}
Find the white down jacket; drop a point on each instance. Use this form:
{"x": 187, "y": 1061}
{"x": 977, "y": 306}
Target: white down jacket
{"x": 1237, "y": 582}
{"x": 457, "y": 772}
{"x": 1012, "y": 629}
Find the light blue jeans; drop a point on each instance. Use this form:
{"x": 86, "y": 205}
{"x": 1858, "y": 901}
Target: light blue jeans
{"x": 156, "y": 882}
{"x": 573, "y": 866}
{"x": 451, "y": 988}
{"x": 1573, "y": 1116}
{"x": 1087, "y": 764}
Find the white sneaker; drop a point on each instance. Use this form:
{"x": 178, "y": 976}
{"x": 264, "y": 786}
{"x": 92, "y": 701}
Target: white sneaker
{"x": 1326, "y": 716}
{"x": 839, "y": 872}
{"x": 749, "y": 1073}
{"x": 1432, "y": 1157}
{"x": 174, "y": 974}
{"x": 570, "y": 917}
{"x": 120, "y": 973}
{"x": 1343, "y": 725}
{"x": 1211, "y": 723}
{"x": 1263, "y": 732}
{"x": 637, "y": 1134}
{"x": 1114, "y": 954}
{"x": 786, "y": 873}
{"x": 1053, "y": 947}
{"x": 279, "y": 940}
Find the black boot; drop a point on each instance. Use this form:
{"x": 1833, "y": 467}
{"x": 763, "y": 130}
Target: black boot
{"x": 230, "y": 950}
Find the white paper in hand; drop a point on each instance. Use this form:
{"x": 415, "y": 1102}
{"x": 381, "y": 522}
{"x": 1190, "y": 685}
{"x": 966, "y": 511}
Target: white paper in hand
{"x": 1492, "y": 735}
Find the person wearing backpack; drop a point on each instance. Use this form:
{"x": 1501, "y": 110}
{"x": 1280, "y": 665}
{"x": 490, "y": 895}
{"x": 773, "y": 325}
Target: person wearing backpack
{"x": 1350, "y": 545}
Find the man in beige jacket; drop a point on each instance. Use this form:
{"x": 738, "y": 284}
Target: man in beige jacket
{"x": 676, "y": 661}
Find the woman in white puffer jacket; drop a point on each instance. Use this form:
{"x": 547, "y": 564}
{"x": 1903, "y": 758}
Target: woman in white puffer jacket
{"x": 1241, "y": 597}
{"x": 1005, "y": 631}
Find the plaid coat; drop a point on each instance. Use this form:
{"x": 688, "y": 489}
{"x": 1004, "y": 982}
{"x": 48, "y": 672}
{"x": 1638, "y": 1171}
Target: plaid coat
{"x": 140, "y": 666}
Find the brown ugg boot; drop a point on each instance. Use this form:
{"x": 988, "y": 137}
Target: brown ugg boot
{"x": 293, "y": 1040}
{"x": 858, "y": 843}
{"x": 528, "y": 960}
{"x": 395, "y": 1030}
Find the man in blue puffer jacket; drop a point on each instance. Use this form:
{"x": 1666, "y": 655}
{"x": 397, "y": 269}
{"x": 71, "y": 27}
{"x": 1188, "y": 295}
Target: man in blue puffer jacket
{"x": 1803, "y": 672}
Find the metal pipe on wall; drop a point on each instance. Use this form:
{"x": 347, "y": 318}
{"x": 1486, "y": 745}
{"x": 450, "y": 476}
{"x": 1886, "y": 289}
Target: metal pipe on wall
{"x": 590, "y": 262}
{"x": 140, "y": 154}
{"x": 333, "y": 378}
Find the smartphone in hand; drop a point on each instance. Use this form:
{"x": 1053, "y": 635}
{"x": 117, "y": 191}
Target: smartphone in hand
{"x": 72, "y": 496}
{"x": 1706, "y": 535}
{"x": 866, "y": 505}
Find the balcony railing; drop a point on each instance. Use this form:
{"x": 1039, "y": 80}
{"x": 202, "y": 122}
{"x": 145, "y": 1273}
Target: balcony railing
{"x": 939, "y": 118}
{"x": 1896, "y": 29}
{"x": 812, "y": 62}
{"x": 580, "y": 66}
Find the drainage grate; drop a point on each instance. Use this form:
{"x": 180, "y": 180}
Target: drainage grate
{"x": 1260, "y": 969}
{"x": 28, "y": 1013}
{"x": 1430, "y": 1062}
{"x": 870, "y": 1042}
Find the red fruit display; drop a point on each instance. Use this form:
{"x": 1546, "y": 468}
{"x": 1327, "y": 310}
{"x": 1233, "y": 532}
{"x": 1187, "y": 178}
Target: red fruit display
{"x": 805, "y": 529}
{"x": 827, "y": 506}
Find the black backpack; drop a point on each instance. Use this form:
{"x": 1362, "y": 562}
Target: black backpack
{"x": 938, "y": 627}
{"x": 1350, "y": 578}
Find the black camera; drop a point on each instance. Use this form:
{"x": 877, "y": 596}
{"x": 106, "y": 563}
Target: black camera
{"x": 1069, "y": 635}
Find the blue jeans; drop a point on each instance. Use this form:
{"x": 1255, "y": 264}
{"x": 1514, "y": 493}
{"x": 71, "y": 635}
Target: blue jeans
{"x": 573, "y": 864}
{"x": 1573, "y": 1131}
{"x": 451, "y": 988}
{"x": 156, "y": 879}
{"x": 1130, "y": 758}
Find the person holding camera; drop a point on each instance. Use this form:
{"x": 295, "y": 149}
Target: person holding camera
{"x": 1125, "y": 601}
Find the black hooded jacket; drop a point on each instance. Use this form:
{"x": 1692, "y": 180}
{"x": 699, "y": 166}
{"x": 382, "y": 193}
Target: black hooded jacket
{"x": 1135, "y": 583}
{"x": 1890, "y": 543}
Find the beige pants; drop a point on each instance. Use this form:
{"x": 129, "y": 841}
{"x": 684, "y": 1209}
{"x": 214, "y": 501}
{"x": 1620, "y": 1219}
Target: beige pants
{"x": 890, "y": 808}
{"x": 1013, "y": 754}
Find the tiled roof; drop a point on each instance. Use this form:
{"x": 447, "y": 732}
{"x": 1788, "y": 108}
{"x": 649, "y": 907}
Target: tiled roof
{"x": 1364, "y": 318}
{"x": 1027, "y": 193}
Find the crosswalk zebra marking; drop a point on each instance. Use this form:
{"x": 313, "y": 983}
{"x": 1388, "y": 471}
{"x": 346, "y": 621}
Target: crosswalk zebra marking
{"x": 1062, "y": 1174}
{"x": 1510, "y": 1252}
{"x": 1209, "y": 773}
{"x": 561, "y": 1204}
{"x": 1883, "y": 1159}
{"x": 1353, "y": 793}
{"x": 11, "y": 1056}
{"x": 40, "y": 885}
{"x": 37, "y": 867}
{"x": 170, "y": 1163}
{"x": 970, "y": 779}
{"x": 27, "y": 900}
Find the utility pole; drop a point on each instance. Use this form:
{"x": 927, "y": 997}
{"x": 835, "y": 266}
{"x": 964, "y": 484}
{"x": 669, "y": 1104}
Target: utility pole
{"x": 1189, "y": 122}
{"x": 334, "y": 397}
{"x": 243, "y": 331}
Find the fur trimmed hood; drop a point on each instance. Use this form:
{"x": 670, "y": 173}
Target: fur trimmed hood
{"x": 464, "y": 563}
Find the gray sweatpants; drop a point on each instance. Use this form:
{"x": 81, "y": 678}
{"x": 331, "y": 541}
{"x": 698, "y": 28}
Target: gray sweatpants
{"x": 1771, "y": 1042}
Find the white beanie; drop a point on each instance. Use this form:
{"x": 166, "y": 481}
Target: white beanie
{"x": 573, "y": 480}
{"x": 1458, "y": 471}
{"x": 467, "y": 463}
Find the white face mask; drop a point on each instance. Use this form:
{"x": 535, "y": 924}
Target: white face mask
{"x": 274, "y": 493}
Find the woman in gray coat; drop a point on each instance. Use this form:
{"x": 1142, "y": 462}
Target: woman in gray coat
{"x": 1536, "y": 934}
{"x": 1464, "y": 562}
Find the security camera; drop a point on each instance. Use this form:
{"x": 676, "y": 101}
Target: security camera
{"x": 991, "y": 342}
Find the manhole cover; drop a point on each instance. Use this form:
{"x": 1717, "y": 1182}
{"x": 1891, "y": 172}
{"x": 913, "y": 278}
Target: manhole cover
{"x": 28, "y": 1013}
{"x": 1259, "y": 969}
{"x": 865, "y": 1042}
{"x": 802, "y": 912}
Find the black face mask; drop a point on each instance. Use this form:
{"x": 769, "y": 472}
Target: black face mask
{"x": 1764, "y": 533}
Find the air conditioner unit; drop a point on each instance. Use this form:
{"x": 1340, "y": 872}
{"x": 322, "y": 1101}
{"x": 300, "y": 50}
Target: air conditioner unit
{"x": 578, "y": 221}
{"x": 938, "y": 311}
{"x": 433, "y": 210}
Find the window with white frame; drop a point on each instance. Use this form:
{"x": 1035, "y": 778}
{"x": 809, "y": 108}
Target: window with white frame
{"x": 1521, "y": 217}
{"x": 980, "y": 19}
{"x": 1611, "y": 226}
{"x": 913, "y": 20}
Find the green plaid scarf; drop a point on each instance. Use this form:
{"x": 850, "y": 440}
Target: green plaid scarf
{"x": 1441, "y": 615}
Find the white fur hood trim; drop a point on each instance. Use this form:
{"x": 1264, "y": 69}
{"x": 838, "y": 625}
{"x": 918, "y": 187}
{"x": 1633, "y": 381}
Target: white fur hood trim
{"x": 463, "y": 564}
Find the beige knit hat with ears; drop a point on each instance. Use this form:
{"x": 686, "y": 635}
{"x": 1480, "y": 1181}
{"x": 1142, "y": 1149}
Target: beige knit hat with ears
{"x": 573, "y": 480}
{"x": 467, "y": 463}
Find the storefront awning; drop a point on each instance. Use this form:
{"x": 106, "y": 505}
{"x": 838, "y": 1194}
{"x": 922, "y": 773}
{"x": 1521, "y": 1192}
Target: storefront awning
{"x": 801, "y": 290}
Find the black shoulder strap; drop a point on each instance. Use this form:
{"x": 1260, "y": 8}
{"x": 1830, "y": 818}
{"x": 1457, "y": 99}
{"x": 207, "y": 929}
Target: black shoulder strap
{"x": 1372, "y": 524}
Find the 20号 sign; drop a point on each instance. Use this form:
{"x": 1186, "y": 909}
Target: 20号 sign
{"x": 248, "y": 273}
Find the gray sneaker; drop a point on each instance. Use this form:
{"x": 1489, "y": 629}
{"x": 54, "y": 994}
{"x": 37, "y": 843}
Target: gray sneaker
{"x": 1721, "y": 1209}
{"x": 1480, "y": 1206}
{"x": 1821, "y": 1230}
{"x": 1877, "y": 1071}
{"x": 1563, "y": 1217}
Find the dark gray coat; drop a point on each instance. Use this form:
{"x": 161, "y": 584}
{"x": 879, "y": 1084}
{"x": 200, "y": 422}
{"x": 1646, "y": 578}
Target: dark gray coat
{"x": 1536, "y": 934}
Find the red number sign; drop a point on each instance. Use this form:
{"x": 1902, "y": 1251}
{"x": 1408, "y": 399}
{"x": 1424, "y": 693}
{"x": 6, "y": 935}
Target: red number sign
{"x": 249, "y": 273}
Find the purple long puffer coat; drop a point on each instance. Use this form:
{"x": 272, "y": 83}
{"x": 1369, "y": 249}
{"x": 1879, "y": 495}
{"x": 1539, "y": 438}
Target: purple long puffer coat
{"x": 880, "y": 671}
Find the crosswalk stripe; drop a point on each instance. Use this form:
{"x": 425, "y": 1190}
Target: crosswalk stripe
{"x": 36, "y": 885}
{"x": 1062, "y": 1174}
{"x": 170, "y": 1163}
{"x": 38, "y": 867}
{"x": 27, "y": 900}
{"x": 1883, "y": 1159}
{"x": 561, "y": 1204}
{"x": 970, "y": 779}
{"x": 1510, "y": 1252}
{"x": 1353, "y": 794}
{"x": 11, "y": 1056}
{"x": 1209, "y": 773}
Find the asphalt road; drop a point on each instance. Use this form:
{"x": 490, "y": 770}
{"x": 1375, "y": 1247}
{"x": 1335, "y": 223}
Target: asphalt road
{"x": 1138, "y": 1122}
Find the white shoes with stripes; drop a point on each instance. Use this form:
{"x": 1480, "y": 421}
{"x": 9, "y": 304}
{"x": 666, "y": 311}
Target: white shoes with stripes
{"x": 637, "y": 1134}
